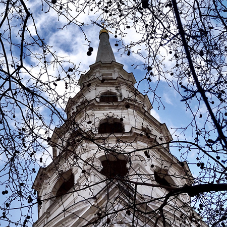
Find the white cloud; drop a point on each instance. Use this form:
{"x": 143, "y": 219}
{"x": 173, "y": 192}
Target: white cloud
{"x": 167, "y": 98}
{"x": 155, "y": 115}
{"x": 46, "y": 157}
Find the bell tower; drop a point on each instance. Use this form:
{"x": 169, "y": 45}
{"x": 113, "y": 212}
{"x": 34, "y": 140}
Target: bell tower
{"x": 111, "y": 160}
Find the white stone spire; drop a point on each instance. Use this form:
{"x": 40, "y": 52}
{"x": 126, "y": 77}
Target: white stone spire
{"x": 110, "y": 139}
{"x": 105, "y": 52}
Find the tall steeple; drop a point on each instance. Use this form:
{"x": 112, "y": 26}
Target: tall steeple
{"x": 107, "y": 154}
{"x": 105, "y": 52}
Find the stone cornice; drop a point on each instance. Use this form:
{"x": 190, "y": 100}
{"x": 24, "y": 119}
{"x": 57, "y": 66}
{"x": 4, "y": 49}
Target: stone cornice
{"x": 103, "y": 66}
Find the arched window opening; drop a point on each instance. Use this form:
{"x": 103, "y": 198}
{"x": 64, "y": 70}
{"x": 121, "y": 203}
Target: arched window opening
{"x": 65, "y": 183}
{"x": 163, "y": 178}
{"x": 111, "y": 125}
{"x": 108, "y": 97}
{"x": 114, "y": 167}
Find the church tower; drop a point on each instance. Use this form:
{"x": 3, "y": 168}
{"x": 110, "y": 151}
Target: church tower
{"x": 111, "y": 160}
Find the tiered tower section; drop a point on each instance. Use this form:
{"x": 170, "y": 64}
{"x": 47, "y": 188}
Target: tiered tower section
{"x": 111, "y": 160}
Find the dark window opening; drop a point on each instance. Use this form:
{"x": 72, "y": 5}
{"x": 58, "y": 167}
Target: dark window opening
{"x": 66, "y": 186}
{"x": 160, "y": 178}
{"x": 114, "y": 168}
{"x": 108, "y": 97}
{"x": 111, "y": 127}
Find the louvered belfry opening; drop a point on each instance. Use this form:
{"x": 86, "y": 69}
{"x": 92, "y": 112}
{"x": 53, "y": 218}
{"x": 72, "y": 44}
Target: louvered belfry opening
{"x": 111, "y": 125}
{"x": 108, "y": 97}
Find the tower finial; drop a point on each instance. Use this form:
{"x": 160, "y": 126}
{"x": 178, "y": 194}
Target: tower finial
{"x": 104, "y": 30}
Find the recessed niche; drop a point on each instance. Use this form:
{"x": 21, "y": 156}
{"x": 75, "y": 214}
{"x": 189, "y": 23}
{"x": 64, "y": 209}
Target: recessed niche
{"x": 108, "y": 97}
{"x": 107, "y": 76}
{"x": 111, "y": 125}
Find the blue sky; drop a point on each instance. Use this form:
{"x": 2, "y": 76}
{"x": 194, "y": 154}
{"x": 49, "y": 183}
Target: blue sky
{"x": 70, "y": 43}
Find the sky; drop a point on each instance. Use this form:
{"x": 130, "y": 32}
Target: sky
{"x": 69, "y": 42}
